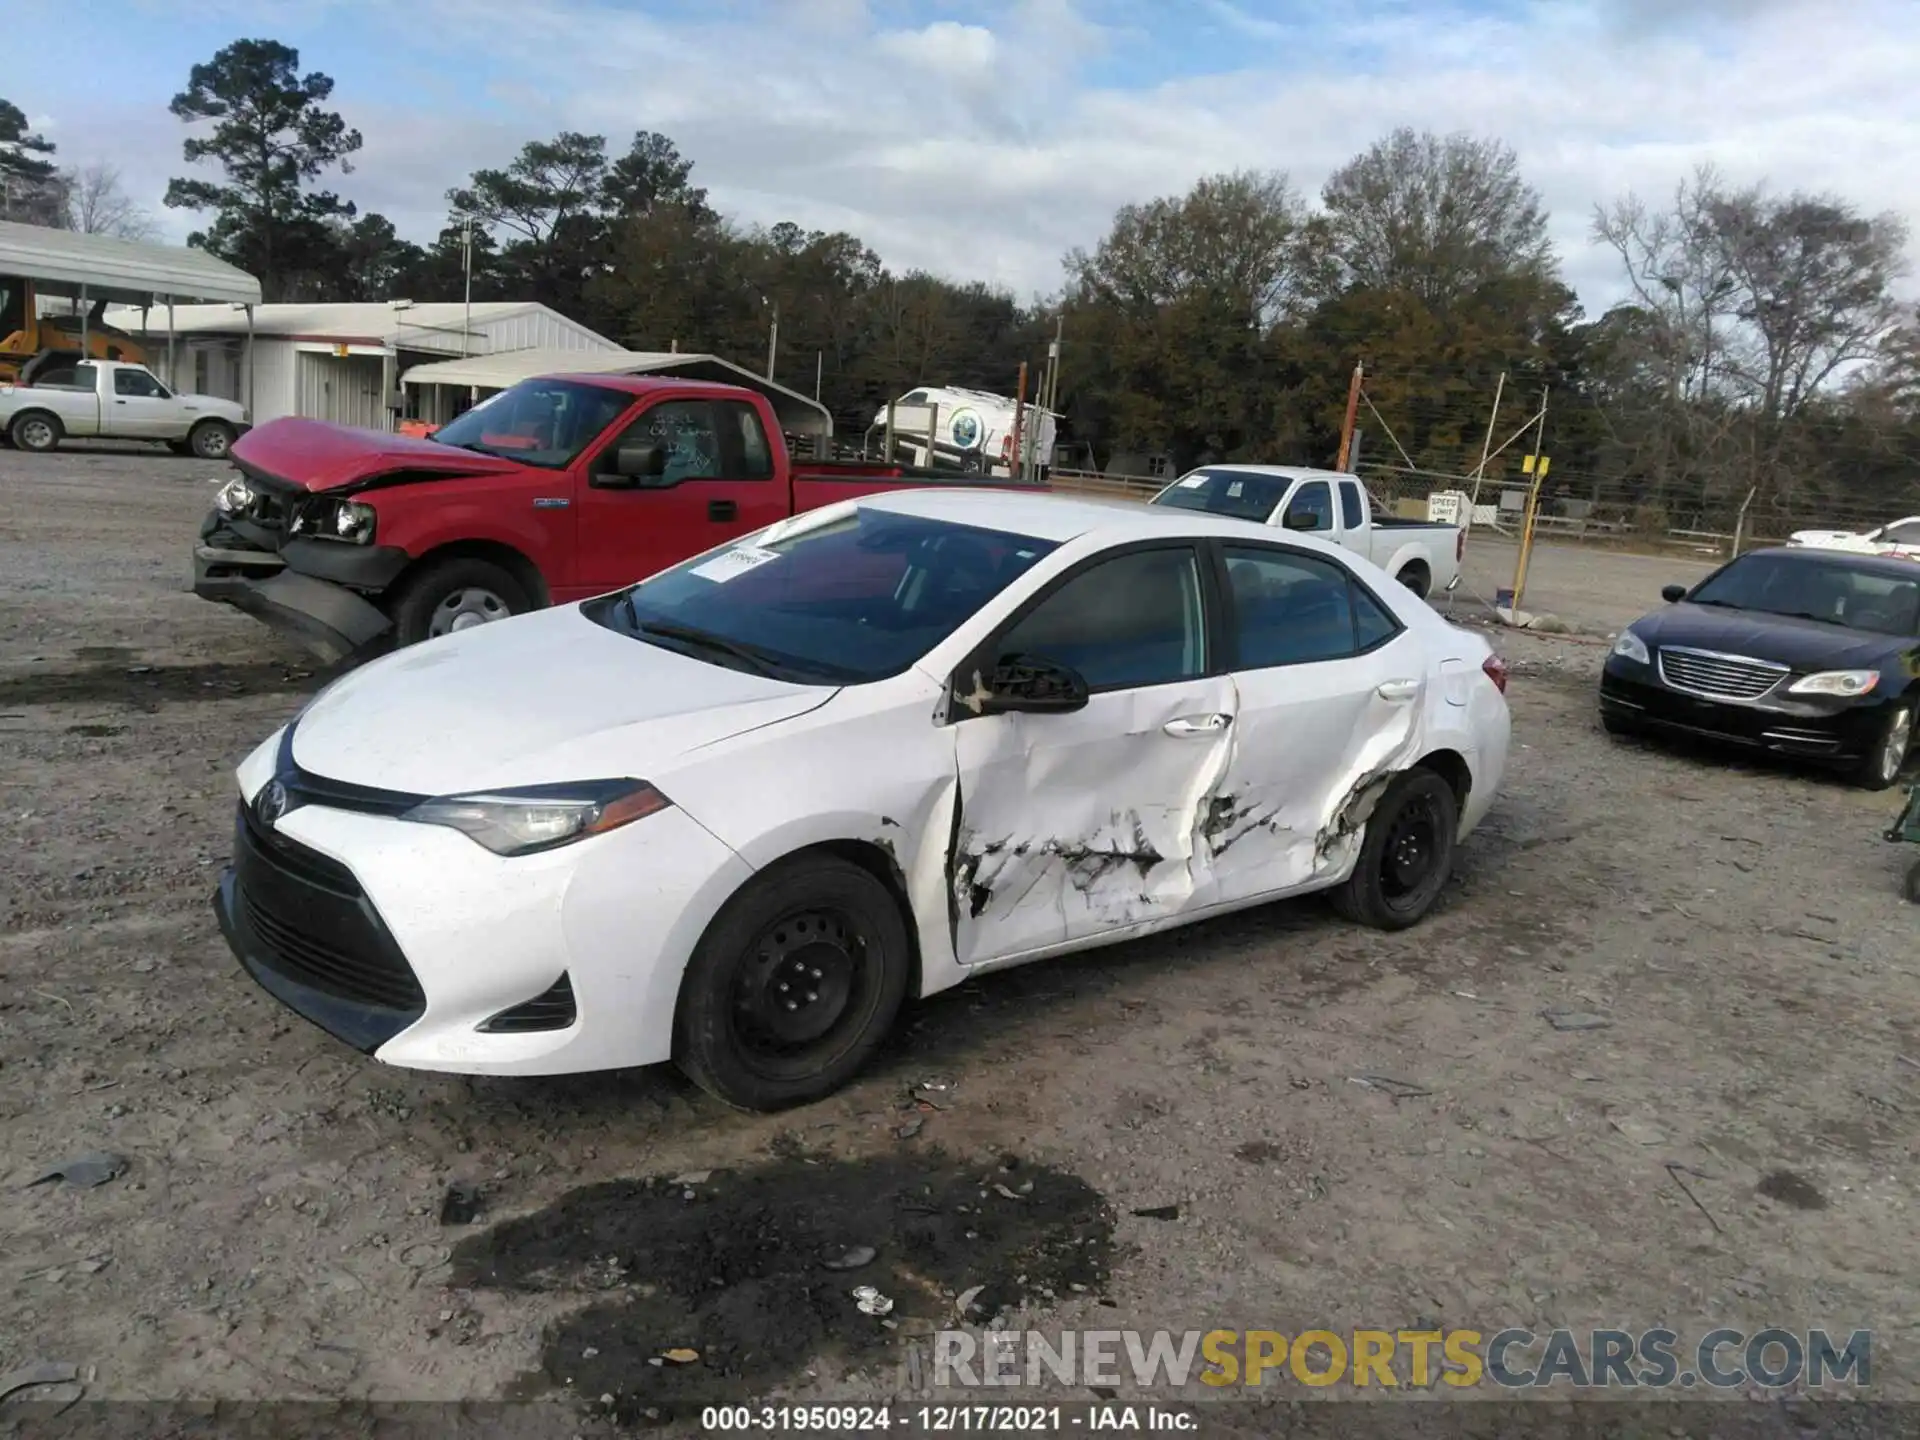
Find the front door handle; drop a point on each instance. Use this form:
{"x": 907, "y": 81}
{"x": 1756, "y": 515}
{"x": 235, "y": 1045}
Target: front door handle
{"x": 720, "y": 510}
{"x": 1189, "y": 727}
{"x": 1397, "y": 690}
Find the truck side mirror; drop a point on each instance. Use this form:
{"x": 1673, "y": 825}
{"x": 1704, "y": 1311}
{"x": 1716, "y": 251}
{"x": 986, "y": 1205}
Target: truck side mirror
{"x": 1300, "y": 518}
{"x": 631, "y": 466}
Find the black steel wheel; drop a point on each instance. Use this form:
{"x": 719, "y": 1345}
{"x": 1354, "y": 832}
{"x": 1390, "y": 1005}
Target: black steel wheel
{"x": 793, "y": 986}
{"x": 1406, "y": 854}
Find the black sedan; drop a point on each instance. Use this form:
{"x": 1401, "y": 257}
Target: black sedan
{"x": 1806, "y": 652}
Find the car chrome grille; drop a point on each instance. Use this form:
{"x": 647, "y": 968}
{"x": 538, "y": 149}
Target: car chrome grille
{"x": 1716, "y": 676}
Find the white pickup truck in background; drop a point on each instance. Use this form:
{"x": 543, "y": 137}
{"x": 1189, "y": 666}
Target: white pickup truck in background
{"x": 108, "y": 400}
{"x": 1898, "y": 537}
{"x": 1332, "y": 506}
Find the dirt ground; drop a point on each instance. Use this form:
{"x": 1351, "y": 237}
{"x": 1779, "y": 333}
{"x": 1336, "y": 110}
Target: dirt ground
{"x": 1333, "y": 1128}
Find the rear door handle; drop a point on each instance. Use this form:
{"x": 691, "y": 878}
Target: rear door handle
{"x": 1188, "y": 727}
{"x": 722, "y": 510}
{"x": 1397, "y": 690}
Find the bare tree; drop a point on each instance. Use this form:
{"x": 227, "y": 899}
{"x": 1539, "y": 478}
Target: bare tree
{"x": 98, "y": 204}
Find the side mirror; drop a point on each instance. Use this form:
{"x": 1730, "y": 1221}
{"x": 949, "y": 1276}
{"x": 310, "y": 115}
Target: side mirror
{"x": 631, "y": 466}
{"x": 1672, "y": 594}
{"x": 1299, "y": 519}
{"x": 1020, "y": 685}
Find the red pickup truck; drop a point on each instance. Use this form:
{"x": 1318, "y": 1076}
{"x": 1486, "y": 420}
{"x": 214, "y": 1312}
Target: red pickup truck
{"x": 559, "y": 488}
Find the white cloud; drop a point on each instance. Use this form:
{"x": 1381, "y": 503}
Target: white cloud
{"x": 978, "y": 145}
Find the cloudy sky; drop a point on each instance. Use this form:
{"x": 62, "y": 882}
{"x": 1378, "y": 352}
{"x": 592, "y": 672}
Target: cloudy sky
{"x": 982, "y": 138}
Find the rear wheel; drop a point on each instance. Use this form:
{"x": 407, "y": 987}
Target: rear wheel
{"x": 35, "y": 431}
{"x": 793, "y": 986}
{"x": 451, "y": 595}
{"x": 1886, "y": 755}
{"x": 1406, "y": 855}
{"x": 1415, "y": 577}
{"x": 211, "y": 439}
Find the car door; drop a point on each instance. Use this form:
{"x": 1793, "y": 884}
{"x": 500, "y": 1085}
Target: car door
{"x": 1310, "y": 511}
{"x": 1328, "y": 688}
{"x": 1075, "y": 824}
{"x": 141, "y": 409}
{"x": 719, "y": 483}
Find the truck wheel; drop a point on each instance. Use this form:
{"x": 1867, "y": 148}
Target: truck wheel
{"x": 1415, "y": 577}
{"x": 35, "y": 431}
{"x": 211, "y": 439}
{"x": 455, "y": 594}
{"x": 1406, "y": 854}
{"x": 795, "y": 983}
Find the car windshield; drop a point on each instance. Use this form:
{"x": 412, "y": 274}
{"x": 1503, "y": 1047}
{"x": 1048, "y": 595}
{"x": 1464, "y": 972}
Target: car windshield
{"x": 1832, "y": 591}
{"x": 538, "y": 422}
{"x": 1237, "y": 494}
{"x": 842, "y": 602}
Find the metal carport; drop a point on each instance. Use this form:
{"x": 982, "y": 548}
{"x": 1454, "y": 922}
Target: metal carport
{"x": 798, "y": 414}
{"x": 95, "y": 268}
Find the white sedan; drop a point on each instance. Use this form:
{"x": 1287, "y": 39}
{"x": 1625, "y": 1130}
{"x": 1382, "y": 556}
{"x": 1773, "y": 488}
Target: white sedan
{"x": 734, "y": 815}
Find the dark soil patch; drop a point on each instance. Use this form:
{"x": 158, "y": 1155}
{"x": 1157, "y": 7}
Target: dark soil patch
{"x": 147, "y": 686}
{"x": 733, "y": 1266}
{"x": 1791, "y": 1189}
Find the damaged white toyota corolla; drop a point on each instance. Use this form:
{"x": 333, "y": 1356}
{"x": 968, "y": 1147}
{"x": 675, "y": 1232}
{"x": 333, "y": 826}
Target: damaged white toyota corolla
{"x": 735, "y": 815}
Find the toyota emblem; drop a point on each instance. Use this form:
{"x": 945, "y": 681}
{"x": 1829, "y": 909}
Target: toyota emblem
{"x": 272, "y": 803}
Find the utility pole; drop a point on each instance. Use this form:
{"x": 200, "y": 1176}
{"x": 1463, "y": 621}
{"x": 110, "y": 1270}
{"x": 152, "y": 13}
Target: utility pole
{"x": 1017, "y": 459}
{"x": 1353, "y": 414}
{"x": 1535, "y": 465}
{"x": 773, "y": 339}
{"x": 466, "y": 267}
{"x": 819, "y": 370}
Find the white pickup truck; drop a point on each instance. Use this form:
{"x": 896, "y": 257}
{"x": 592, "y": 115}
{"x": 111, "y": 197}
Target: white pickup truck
{"x": 1421, "y": 556}
{"x": 1899, "y": 538}
{"x": 108, "y": 400}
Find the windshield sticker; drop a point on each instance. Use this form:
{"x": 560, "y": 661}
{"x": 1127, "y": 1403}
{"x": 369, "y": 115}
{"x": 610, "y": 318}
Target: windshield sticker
{"x": 734, "y": 563}
{"x": 1194, "y": 482}
{"x": 1233, "y": 490}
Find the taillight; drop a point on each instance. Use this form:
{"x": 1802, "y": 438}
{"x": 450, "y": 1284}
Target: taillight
{"x": 1496, "y": 670}
{"x": 1459, "y": 546}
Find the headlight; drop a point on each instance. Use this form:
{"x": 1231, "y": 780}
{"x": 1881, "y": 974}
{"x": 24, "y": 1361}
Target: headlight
{"x": 1631, "y": 647}
{"x": 235, "y": 497}
{"x": 541, "y": 817}
{"x": 1847, "y": 683}
{"x": 347, "y": 520}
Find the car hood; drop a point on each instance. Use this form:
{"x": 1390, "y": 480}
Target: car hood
{"x": 540, "y": 698}
{"x": 1801, "y": 644}
{"x": 315, "y": 455}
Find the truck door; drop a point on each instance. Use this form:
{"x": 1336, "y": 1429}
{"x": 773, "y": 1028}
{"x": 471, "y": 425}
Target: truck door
{"x": 1310, "y": 510}
{"x": 139, "y": 408}
{"x": 721, "y": 480}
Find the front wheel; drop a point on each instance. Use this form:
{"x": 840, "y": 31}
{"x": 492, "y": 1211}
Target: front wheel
{"x": 1406, "y": 855}
{"x": 211, "y": 439}
{"x": 452, "y": 595}
{"x": 793, "y": 986}
{"x": 1886, "y": 754}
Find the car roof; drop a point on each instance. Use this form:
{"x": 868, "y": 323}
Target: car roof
{"x": 1278, "y": 472}
{"x": 1047, "y": 515}
{"x": 1893, "y": 567}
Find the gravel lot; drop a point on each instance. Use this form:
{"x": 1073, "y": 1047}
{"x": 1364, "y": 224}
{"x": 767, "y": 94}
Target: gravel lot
{"x": 1735, "y": 1147}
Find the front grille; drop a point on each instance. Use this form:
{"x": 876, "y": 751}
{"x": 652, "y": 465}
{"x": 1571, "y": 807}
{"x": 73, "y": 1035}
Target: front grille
{"x": 1718, "y": 677}
{"x": 552, "y": 1009}
{"x": 314, "y": 925}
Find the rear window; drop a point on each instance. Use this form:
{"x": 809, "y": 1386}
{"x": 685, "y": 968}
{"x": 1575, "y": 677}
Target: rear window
{"x": 1236, "y": 494}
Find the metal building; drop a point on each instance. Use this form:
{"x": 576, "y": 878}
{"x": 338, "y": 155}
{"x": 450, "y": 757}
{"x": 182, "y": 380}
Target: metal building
{"x": 342, "y": 362}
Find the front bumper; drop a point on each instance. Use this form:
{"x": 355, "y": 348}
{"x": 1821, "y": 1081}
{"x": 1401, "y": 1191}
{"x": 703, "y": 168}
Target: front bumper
{"x": 1836, "y": 731}
{"x": 325, "y": 616}
{"x": 340, "y": 911}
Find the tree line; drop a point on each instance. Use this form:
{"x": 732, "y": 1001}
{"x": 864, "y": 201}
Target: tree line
{"x": 1761, "y": 356}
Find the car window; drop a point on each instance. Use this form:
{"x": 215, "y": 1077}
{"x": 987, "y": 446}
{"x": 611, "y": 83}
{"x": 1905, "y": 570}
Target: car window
{"x": 1238, "y": 494}
{"x": 137, "y": 383}
{"x": 1292, "y": 609}
{"x": 1314, "y": 498}
{"x": 1125, "y": 623}
{"x": 752, "y": 458}
{"x": 842, "y": 602}
{"x": 547, "y": 423}
{"x": 686, "y": 429}
{"x": 1352, "y": 513}
{"x": 1836, "y": 591}
{"x": 1902, "y": 534}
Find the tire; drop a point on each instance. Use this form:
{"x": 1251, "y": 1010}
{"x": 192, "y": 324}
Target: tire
{"x": 1418, "y": 811}
{"x": 211, "y": 439}
{"x": 725, "y": 1036}
{"x": 1887, "y": 756}
{"x": 1911, "y": 889}
{"x": 446, "y": 596}
{"x": 36, "y": 432}
{"x": 1415, "y": 578}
